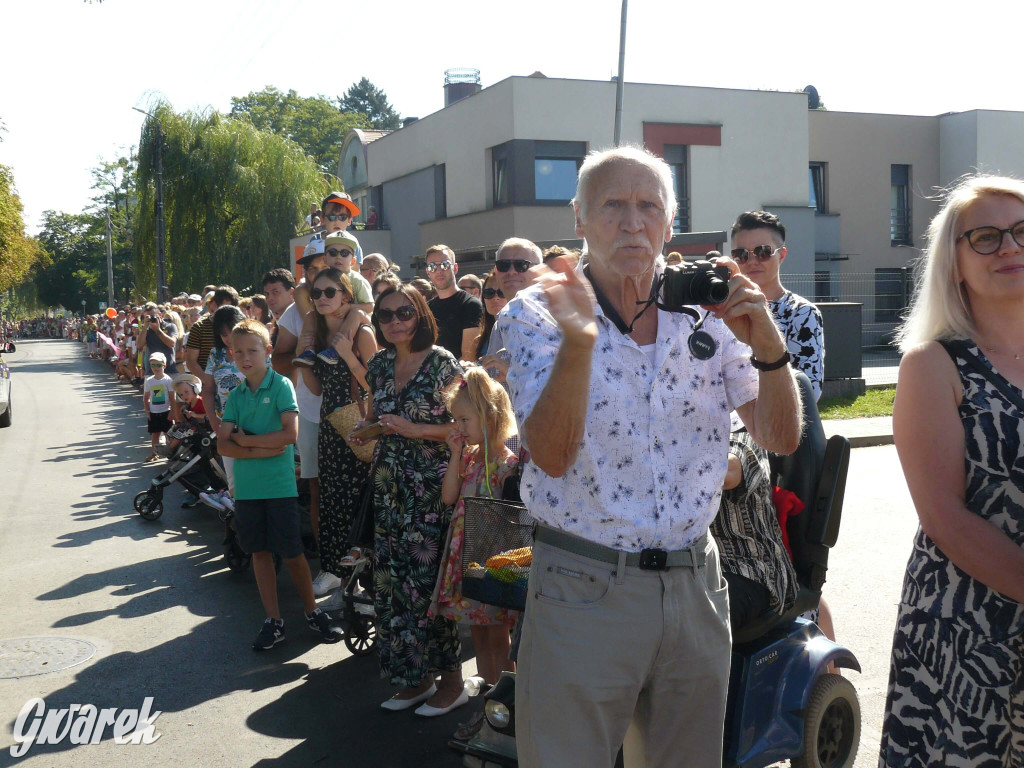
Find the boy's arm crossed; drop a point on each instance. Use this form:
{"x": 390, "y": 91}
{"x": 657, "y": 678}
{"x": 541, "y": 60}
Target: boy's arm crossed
{"x": 287, "y": 435}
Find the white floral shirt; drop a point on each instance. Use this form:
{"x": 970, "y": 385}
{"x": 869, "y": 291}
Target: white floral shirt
{"x": 650, "y": 467}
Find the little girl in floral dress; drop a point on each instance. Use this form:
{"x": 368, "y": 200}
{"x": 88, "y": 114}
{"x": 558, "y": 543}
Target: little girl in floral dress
{"x": 479, "y": 466}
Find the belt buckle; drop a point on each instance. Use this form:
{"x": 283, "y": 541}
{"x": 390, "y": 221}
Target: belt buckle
{"x": 653, "y": 560}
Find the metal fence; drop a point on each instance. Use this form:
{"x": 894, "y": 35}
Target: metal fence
{"x": 883, "y": 295}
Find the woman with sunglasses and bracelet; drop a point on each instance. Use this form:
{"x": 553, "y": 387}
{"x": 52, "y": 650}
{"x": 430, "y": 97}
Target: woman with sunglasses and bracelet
{"x": 407, "y": 379}
{"x": 494, "y": 301}
{"x": 956, "y": 683}
{"x": 341, "y": 474}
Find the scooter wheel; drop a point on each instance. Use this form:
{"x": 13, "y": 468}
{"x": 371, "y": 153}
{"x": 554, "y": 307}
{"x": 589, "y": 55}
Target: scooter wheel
{"x": 148, "y": 506}
{"x": 361, "y": 635}
{"x": 831, "y": 725}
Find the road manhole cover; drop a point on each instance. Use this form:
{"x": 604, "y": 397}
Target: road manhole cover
{"x": 25, "y": 656}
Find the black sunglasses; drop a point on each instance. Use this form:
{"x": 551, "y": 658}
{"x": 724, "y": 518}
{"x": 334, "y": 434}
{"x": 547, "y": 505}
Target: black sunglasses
{"x": 404, "y": 313}
{"x": 336, "y": 252}
{"x": 521, "y": 265}
{"x": 338, "y": 217}
{"x": 330, "y": 292}
{"x": 762, "y": 252}
{"x": 490, "y": 293}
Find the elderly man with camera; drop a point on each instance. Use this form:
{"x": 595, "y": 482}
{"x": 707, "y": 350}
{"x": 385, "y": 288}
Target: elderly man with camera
{"x": 623, "y": 386}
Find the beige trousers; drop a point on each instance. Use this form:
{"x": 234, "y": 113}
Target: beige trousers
{"x": 604, "y": 645}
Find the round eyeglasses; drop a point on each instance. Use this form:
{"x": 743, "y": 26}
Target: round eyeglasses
{"x": 987, "y": 240}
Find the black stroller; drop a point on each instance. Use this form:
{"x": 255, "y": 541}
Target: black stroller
{"x": 193, "y": 464}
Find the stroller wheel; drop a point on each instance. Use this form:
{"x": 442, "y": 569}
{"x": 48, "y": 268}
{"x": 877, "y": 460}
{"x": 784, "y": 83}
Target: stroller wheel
{"x": 361, "y": 636}
{"x": 238, "y": 560}
{"x": 148, "y": 506}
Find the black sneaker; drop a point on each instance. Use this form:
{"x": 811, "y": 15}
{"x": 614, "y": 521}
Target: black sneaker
{"x": 271, "y": 633}
{"x": 320, "y": 622}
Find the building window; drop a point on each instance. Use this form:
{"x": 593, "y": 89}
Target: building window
{"x": 501, "y": 181}
{"x": 677, "y": 156}
{"x": 900, "y": 232}
{"x": 892, "y": 292}
{"x": 554, "y": 178}
{"x": 816, "y": 174}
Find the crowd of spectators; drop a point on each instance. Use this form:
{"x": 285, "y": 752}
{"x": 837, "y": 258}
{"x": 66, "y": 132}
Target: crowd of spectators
{"x": 451, "y": 368}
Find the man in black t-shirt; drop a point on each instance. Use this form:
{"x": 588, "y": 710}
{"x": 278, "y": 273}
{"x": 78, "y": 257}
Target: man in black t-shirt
{"x": 457, "y": 313}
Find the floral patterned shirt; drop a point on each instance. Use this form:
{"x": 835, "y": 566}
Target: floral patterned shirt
{"x": 650, "y": 467}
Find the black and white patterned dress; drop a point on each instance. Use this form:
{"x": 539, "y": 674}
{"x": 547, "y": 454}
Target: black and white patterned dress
{"x": 800, "y": 323}
{"x": 956, "y": 689}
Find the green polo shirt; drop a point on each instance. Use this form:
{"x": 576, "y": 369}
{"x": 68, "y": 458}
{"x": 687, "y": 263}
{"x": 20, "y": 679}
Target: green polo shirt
{"x": 258, "y": 413}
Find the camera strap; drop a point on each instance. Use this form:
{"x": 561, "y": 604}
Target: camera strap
{"x": 612, "y": 314}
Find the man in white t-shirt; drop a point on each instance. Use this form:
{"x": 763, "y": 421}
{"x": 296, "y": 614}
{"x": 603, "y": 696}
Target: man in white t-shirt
{"x": 289, "y": 328}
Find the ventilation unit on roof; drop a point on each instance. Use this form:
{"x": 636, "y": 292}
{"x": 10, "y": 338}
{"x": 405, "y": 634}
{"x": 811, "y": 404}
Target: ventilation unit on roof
{"x": 460, "y": 82}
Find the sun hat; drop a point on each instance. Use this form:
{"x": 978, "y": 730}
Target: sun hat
{"x": 158, "y": 357}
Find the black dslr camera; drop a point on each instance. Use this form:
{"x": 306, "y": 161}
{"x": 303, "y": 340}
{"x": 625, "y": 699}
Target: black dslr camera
{"x": 693, "y": 282}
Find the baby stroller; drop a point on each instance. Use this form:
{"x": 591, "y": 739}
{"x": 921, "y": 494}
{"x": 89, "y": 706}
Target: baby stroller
{"x": 193, "y": 464}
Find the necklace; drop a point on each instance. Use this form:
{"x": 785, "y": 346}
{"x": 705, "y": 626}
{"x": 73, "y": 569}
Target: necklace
{"x": 1016, "y": 355}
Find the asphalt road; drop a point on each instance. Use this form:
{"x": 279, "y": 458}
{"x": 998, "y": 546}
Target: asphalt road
{"x": 170, "y": 621}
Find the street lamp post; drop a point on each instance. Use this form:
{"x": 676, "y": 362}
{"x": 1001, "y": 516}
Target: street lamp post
{"x": 161, "y": 272}
{"x": 618, "y": 81}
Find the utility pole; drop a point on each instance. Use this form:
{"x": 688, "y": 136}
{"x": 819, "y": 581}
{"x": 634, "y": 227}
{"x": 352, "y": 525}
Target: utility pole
{"x": 161, "y": 272}
{"x": 110, "y": 265}
{"x": 622, "y": 74}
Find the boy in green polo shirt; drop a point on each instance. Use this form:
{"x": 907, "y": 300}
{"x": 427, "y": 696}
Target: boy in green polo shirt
{"x": 258, "y": 429}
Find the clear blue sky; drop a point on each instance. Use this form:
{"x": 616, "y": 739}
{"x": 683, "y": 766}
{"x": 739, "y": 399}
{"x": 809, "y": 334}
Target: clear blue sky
{"x": 72, "y": 70}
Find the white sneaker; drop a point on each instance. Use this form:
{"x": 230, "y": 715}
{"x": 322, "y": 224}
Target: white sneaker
{"x": 325, "y": 582}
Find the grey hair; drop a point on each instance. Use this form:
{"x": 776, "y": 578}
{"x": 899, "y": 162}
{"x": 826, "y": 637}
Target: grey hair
{"x": 940, "y": 307}
{"x": 520, "y": 242}
{"x": 598, "y": 159}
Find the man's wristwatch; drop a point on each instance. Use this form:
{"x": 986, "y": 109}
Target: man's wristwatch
{"x": 782, "y": 361}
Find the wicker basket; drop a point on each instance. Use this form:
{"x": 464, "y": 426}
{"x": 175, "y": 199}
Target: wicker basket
{"x": 496, "y": 552}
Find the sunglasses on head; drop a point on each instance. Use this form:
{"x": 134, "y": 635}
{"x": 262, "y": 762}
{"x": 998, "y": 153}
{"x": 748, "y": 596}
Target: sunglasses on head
{"x": 403, "y": 313}
{"x": 762, "y": 252}
{"x": 338, "y": 252}
{"x": 444, "y": 266}
{"x": 338, "y": 217}
{"x": 490, "y": 293}
{"x": 521, "y": 265}
{"x": 330, "y": 292}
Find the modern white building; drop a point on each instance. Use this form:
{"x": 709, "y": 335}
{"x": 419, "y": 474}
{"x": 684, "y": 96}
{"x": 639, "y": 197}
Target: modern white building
{"x": 855, "y": 191}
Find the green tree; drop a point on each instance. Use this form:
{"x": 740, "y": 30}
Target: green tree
{"x": 314, "y": 123}
{"x": 18, "y": 253}
{"x": 232, "y": 196}
{"x": 77, "y": 268}
{"x": 367, "y": 99}
{"x": 114, "y": 183}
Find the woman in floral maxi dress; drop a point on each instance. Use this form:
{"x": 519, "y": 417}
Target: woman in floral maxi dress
{"x": 407, "y": 379}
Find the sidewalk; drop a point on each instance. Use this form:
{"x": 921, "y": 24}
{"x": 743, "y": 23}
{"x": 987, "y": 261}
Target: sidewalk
{"x": 876, "y": 430}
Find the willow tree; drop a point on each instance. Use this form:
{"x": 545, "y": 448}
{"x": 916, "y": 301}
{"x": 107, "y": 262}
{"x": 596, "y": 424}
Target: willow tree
{"x": 233, "y": 195}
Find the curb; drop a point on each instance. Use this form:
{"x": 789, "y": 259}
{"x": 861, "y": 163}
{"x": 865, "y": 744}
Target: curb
{"x": 869, "y": 441}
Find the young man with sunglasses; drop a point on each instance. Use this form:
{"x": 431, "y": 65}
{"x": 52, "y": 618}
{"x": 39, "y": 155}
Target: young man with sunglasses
{"x": 457, "y": 313}
{"x": 759, "y": 247}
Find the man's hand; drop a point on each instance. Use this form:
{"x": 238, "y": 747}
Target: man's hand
{"x": 747, "y": 315}
{"x": 571, "y": 301}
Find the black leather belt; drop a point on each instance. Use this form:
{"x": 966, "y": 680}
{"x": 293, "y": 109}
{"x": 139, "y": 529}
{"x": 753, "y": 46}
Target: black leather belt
{"x": 645, "y": 559}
